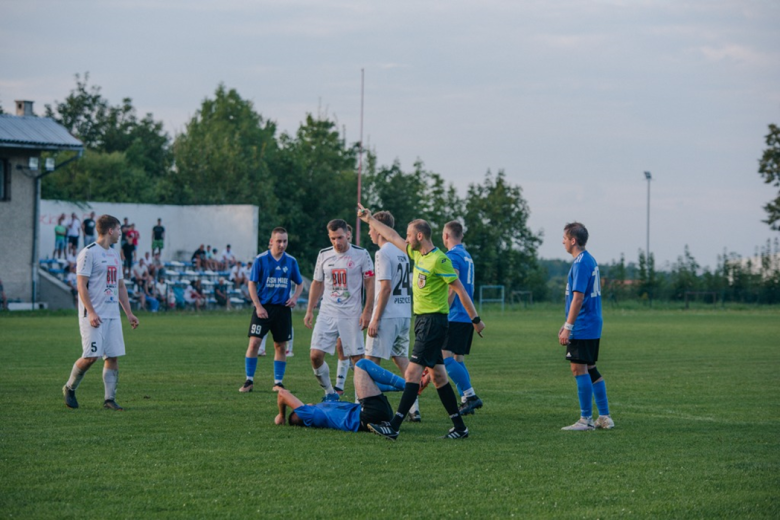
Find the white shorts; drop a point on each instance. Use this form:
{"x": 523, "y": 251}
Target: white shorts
{"x": 104, "y": 341}
{"x": 327, "y": 330}
{"x": 392, "y": 339}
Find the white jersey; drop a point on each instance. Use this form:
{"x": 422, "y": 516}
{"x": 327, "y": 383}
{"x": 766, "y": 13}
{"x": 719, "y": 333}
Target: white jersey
{"x": 393, "y": 264}
{"x": 103, "y": 267}
{"x": 342, "y": 275}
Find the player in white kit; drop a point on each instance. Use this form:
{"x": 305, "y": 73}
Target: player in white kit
{"x": 388, "y": 331}
{"x": 101, "y": 290}
{"x": 338, "y": 279}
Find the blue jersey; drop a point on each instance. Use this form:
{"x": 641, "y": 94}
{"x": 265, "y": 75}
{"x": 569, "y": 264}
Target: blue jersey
{"x": 338, "y": 415}
{"x": 274, "y": 279}
{"x": 462, "y": 262}
{"x": 584, "y": 278}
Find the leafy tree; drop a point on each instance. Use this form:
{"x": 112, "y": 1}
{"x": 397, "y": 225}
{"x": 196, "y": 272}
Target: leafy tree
{"x": 769, "y": 169}
{"x": 138, "y": 146}
{"x": 684, "y": 275}
{"x": 316, "y": 182}
{"x": 498, "y": 237}
{"x": 221, "y": 158}
{"x": 648, "y": 283}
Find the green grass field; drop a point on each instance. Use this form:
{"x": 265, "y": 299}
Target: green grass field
{"x": 694, "y": 395}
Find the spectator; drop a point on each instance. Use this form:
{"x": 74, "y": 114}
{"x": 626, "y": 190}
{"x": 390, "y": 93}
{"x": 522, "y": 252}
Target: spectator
{"x": 161, "y": 288}
{"x": 136, "y": 235}
{"x": 74, "y": 231}
{"x": 71, "y": 280}
{"x": 151, "y": 295}
{"x": 158, "y": 237}
{"x": 127, "y": 247}
{"x": 70, "y": 256}
{"x": 221, "y": 294}
{"x": 88, "y": 227}
{"x": 193, "y": 295}
{"x": 237, "y": 275}
{"x": 140, "y": 272}
{"x": 3, "y": 299}
{"x": 60, "y": 234}
{"x": 199, "y": 258}
{"x": 157, "y": 268}
{"x": 228, "y": 258}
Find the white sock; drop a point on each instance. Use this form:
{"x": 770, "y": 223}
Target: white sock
{"x": 323, "y": 376}
{"x": 76, "y": 375}
{"x": 110, "y": 380}
{"x": 469, "y": 393}
{"x": 341, "y": 373}
{"x": 416, "y": 406}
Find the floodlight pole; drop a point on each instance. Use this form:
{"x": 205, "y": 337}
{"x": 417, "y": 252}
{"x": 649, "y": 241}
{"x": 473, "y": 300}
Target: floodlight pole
{"x": 360, "y": 156}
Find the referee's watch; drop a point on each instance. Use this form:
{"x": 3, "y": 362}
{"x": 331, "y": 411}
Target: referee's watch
{"x": 476, "y": 320}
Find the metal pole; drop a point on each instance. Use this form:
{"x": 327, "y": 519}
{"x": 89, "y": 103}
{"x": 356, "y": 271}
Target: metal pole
{"x": 360, "y": 156}
{"x": 648, "y": 176}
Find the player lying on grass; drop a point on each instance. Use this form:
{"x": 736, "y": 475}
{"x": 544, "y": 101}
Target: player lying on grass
{"x": 370, "y": 381}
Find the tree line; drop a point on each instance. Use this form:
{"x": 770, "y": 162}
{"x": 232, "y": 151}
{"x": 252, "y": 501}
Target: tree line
{"x": 228, "y": 153}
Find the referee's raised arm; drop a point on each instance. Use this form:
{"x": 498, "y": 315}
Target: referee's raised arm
{"x": 388, "y": 233}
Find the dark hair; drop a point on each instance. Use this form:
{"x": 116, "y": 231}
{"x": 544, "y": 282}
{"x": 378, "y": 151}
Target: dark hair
{"x": 336, "y": 224}
{"x": 385, "y": 217}
{"x": 105, "y": 223}
{"x": 455, "y": 229}
{"x": 578, "y": 232}
{"x": 278, "y": 230}
{"x": 422, "y": 226}
{"x": 294, "y": 420}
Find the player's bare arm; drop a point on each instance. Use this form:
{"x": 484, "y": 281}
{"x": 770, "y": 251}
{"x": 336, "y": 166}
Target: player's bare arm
{"x": 384, "y": 296}
{"x": 81, "y": 283}
{"x": 293, "y": 301}
{"x": 451, "y": 292}
{"x": 124, "y": 301}
{"x": 368, "y": 309}
{"x": 259, "y": 309}
{"x": 388, "y": 233}
{"x": 574, "y": 310}
{"x": 315, "y": 293}
{"x": 465, "y": 299}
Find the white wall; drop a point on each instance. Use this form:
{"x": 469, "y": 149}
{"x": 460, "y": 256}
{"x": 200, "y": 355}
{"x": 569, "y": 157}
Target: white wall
{"x": 186, "y": 227}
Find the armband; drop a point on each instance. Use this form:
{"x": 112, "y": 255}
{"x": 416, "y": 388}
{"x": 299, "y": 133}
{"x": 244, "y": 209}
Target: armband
{"x": 568, "y": 326}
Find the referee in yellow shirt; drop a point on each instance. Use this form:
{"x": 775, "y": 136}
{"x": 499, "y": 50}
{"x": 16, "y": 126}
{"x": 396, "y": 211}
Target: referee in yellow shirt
{"x": 432, "y": 276}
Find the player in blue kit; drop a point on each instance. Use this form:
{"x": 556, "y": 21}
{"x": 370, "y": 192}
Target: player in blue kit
{"x": 581, "y": 331}
{"x": 370, "y": 381}
{"x": 270, "y": 282}
{"x": 460, "y": 333}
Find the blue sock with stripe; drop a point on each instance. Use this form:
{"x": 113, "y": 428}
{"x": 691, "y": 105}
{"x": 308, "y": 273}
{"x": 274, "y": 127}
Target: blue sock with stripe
{"x": 600, "y": 393}
{"x": 279, "y": 368}
{"x": 585, "y": 393}
{"x": 458, "y": 374}
{"x": 385, "y": 380}
{"x": 250, "y": 365}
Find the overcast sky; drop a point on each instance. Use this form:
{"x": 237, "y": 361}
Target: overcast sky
{"x": 574, "y": 100}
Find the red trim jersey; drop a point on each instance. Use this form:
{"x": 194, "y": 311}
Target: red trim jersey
{"x": 103, "y": 267}
{"x": 342, "y": 275}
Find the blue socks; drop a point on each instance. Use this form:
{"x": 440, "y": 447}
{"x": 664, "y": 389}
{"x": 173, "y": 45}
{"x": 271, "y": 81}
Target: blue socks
{"x": 458, "y": 374}
{"x": 279, "y": 368}
{"x": 585, "y": 393}
{"x": 600, "y": 393}
{"x": 250, "y": 364}
{"x": 385, "y": 380}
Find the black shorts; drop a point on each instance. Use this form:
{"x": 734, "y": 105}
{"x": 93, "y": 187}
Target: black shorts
{"x": 74, "y": 241}
{"x": 430, "y": 332}
{"x": 583, "y": 351}
{"x": 279, "y": 322}
{"x": 374, "y": 409}
{"x": 459, "y": 337}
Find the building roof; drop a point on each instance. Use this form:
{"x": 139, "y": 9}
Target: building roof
{"x": 39, "y": 133}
